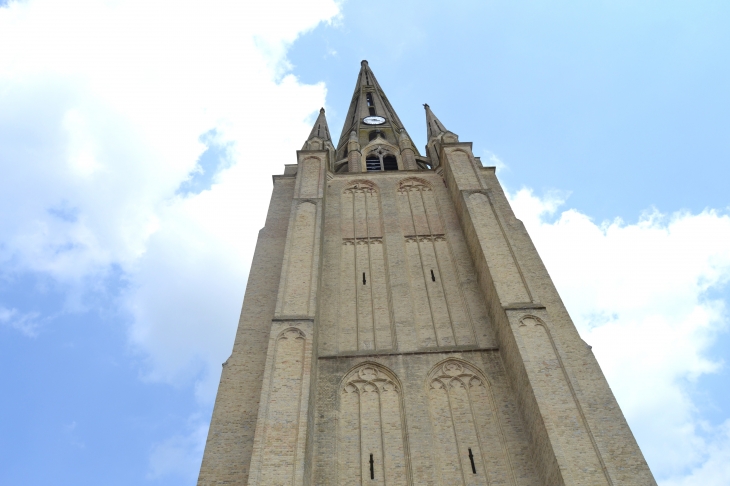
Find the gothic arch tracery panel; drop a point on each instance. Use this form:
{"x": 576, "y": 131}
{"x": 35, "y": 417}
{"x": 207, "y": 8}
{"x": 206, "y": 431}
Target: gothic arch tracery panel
{"x": 365, "y": 316}
{"x": 296, "y": 291}
{"x": 371, "y": 436}
{"x": 469, "y": 444}
{"x": 278, "y": 458}
{"x": 550, "y": 377}
{"x": 440, "y": 309}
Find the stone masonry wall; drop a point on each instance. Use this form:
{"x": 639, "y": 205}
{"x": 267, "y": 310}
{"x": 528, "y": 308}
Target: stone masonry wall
{"x": 572, "y": 418}
{"x": 230, "y": 438}
{"x": 399, "y": 328}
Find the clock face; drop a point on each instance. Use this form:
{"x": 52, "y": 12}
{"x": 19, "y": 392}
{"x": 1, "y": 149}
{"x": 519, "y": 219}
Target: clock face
{"x": 373, "y": 120}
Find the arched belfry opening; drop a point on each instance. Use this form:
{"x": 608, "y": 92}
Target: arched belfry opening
{"x": 381, "y": 159}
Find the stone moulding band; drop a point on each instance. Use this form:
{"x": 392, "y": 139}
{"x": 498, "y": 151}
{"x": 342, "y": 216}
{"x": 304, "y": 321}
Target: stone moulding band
{"x": 524, "y": 305}
{"x": 401, "y": 353}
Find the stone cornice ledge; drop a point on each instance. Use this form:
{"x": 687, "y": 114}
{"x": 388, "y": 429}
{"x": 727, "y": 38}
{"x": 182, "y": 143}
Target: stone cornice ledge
{"x": 444, "y": 349}
{"x": 282, "y": 176}
{"x": 523, "y": 306}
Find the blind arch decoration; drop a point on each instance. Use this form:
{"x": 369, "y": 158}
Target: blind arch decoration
{"x": 468, "y": 437}
{"x": 365, "y": 308}
{"x": 371, "y": 424}
{"x": 442, "y": 314}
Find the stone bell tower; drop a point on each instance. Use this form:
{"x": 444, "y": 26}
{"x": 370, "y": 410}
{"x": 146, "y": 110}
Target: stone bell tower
{"x": 399, "y": 328}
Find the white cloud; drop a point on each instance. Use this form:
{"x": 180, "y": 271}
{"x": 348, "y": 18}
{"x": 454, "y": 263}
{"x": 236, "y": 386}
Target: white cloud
{"x": 103, "y": 110}
{"x": 491, "y": 159}
{"x": 639, "y": 294}
{"x": 714, "y": 470}
{"x": 26, "y": 323}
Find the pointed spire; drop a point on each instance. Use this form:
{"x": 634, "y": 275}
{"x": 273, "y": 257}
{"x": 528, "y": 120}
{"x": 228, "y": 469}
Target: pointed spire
{"x": 437, "y": 135}
{"x": 319, "y": 137}
{"x": 433, "y": 125}
{"x": 320, "y": 128}
{"x": 369, "y": 101}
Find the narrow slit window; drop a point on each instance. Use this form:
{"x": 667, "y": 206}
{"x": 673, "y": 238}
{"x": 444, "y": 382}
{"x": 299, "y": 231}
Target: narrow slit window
{"x": 369, "y": 99}
{"x": 372, "y": 111}
{"x": 318, "y": 130}
{"x": 433, "y": 277}
{"x": 471, "y": 458}
{"x": 372, "y": 467}
{"x": 363, "y": 279}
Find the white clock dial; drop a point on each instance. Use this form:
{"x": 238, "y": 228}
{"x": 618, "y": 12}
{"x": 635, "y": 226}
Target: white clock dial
{"x": 373, "y": 120}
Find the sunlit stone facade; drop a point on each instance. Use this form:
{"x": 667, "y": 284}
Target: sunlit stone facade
{"x": 399, "y": 328}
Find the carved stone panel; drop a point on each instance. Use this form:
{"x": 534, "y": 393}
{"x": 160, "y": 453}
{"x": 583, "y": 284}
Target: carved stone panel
{"x": 469, "y": 443}
{"x": 364, "y": 320}
{"x": 278, "y": 457}
{"x": 441, "y": 313}
{"x": 371, "y": 436}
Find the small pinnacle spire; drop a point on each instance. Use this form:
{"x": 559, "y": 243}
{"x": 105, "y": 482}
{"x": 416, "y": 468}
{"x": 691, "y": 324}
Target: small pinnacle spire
{"x": 433, "y": 125}
{"x": 320, "y": 128}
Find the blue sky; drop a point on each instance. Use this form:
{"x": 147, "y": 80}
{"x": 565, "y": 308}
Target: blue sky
{"x": 138, "y": 139}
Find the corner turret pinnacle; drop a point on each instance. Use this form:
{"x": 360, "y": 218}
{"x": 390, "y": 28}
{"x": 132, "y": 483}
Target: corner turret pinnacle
{"x": 434, "y": 127}
{"x": 319, "y": 139}
{"x": 320, "y": 129}
{"x": 437, "y": 135}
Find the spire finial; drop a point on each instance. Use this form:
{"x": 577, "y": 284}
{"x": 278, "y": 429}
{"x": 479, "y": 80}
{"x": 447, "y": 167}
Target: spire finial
{"x": 321, "y": 111}
{"x": 363, "y": 63}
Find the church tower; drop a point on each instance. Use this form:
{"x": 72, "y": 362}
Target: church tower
{"x": 400, "y": 328}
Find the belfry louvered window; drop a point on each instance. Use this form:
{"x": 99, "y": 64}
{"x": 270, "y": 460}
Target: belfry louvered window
{"x": 380, "y": 160}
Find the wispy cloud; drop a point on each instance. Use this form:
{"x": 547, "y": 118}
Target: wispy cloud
{"x": 109, "y": 115}
{"x": 491, "y": 159}
{"x": 141, "y": 138}
{"x": 27, "y": 323}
